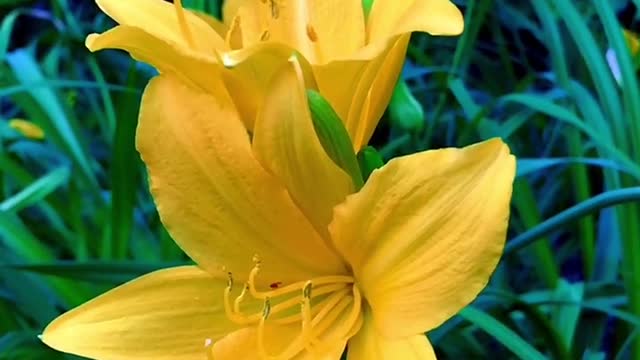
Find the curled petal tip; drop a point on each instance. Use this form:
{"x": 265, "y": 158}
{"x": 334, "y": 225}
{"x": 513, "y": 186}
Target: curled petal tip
{"x": 89, "y": 42}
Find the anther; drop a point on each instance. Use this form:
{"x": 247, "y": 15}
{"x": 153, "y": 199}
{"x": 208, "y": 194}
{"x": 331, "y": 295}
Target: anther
{"x": 311, "y": 33}
{"x": 275, "y": 11}
{"x": 265, "y": 35}
{"x": 306, "y": 290}
{"x": 229, "y": 280}
{"x": 266, "y": 310}
{"x": 208, "y": 348}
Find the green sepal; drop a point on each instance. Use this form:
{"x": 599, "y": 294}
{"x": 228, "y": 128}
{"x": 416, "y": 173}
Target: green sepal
{"x": 334, "y": 136}
{"x": 366, "y": 6}
{"x": 369, "y": 160}
{"x": 404, "y": 110}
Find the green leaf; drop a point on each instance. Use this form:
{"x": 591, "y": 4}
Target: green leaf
{"x": 36, "y": 191}
{"x": 106, "y": 272}
{"x": 507, "y": 337}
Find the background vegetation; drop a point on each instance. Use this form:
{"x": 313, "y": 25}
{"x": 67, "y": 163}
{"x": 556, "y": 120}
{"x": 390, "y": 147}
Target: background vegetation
{"x": 76, "y": 217}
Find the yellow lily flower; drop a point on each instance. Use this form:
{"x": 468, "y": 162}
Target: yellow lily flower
{"x": 354, "y": 60}
{"x": 293, "y": 263}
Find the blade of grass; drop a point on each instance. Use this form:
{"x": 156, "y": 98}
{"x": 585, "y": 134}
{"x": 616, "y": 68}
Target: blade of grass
{"x": 556, "y": 222}
{"x": 507, "y": 337}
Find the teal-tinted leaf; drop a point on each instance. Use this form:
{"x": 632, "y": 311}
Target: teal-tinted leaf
{"x": 36, "y": 191}
{"x": 106, "y": 272}
{"x": 507, "y": 337}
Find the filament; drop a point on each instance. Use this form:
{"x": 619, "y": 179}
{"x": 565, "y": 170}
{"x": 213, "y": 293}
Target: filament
{"x": 182, "y": 22}
{"x": 323, "y": 314}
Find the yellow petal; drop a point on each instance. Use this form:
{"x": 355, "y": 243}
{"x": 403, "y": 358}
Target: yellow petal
{"x": 322, "y": 30}
{"x": 285, "y": 142}
{"x": 338, "y": 81}
{"x": 230, "y": 9}
{"x": 389, "y": 18}
{"x": 336, "y": 27}
{"x": 374, "y": 91}
{"x": 214, "y": 197}
{"x": 167, "y": 57}
{"x": 359, "y": 90}
{"x": 369, "y": 344}
{"x": 242, "y": 344}
{"x": 248, "y": 72}
{"x": 159, "y": 18}
{"x": 165, "y": 315}
{"x": 219, "y": 27}
{"x": 425, "y": 233}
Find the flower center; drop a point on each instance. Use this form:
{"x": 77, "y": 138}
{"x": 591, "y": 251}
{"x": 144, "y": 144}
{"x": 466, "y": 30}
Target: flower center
{"x": 328, "y": 309}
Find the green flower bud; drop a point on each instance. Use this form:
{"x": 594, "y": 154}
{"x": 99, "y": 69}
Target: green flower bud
{"x": 334, "y": 136}
{"x": 369, "y": 160}
{"x": 404, "y": 110}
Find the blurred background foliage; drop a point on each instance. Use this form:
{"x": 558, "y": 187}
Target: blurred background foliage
{"x": 76, "y": 217}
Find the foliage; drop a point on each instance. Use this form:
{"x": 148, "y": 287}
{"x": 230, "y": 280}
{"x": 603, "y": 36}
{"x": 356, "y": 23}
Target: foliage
{"x": 76, "y": 217}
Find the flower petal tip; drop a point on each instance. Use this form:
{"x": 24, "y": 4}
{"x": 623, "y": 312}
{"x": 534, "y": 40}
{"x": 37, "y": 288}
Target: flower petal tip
{"x": 90, "y": 42}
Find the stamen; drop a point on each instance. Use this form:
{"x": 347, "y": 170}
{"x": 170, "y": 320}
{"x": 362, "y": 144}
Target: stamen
{"x": 306, "y": 290}
{"x": 236, "y": 317}
{"x": 311, "y": 33}
{"x": 208, "y": 348}
{"x": 306, "y": 334}
{"x": 346, "y": 326}
{"x": 329, "y": 304}
{"x": 275, "y": 10}
{"x": 182, "y": 22}
{"x": 266, "y": 310}
{"x": 265, "y": 35}
{"x": 327, "y": 313}
{"x": 329, "y": 318}
{"x": 233, "y": 38}
{"x": 356, "y": 327}
{"x": 328, "y": 289}
{"x": 292, "y": 287}
{"x": 230, "y": 280}
{"x": 236, "y": 302}
{"x": 288, "y": 353}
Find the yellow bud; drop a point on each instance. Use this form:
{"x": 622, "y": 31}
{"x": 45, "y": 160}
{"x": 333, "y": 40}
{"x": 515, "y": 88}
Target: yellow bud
{"x": 27, "y": 129}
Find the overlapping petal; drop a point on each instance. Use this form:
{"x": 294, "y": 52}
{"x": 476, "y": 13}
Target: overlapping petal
{"x": 374, "y": 92}
{"x": 248, "y": 72}
{"x": 159, "y": 19}
{"x": 167, "y": 57}
{"x": 322, "y": 30}
{"x": 369, "y": 344}
{"x": 214, "y": 197}
{"x": 165, "y": 315}
{"x": 359, "y": 89}
{"x": 425, "y": 233}
{"x": 285, "y": 142}
{"x": 336, "y": 27}
{"x": 390, "y": 18}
